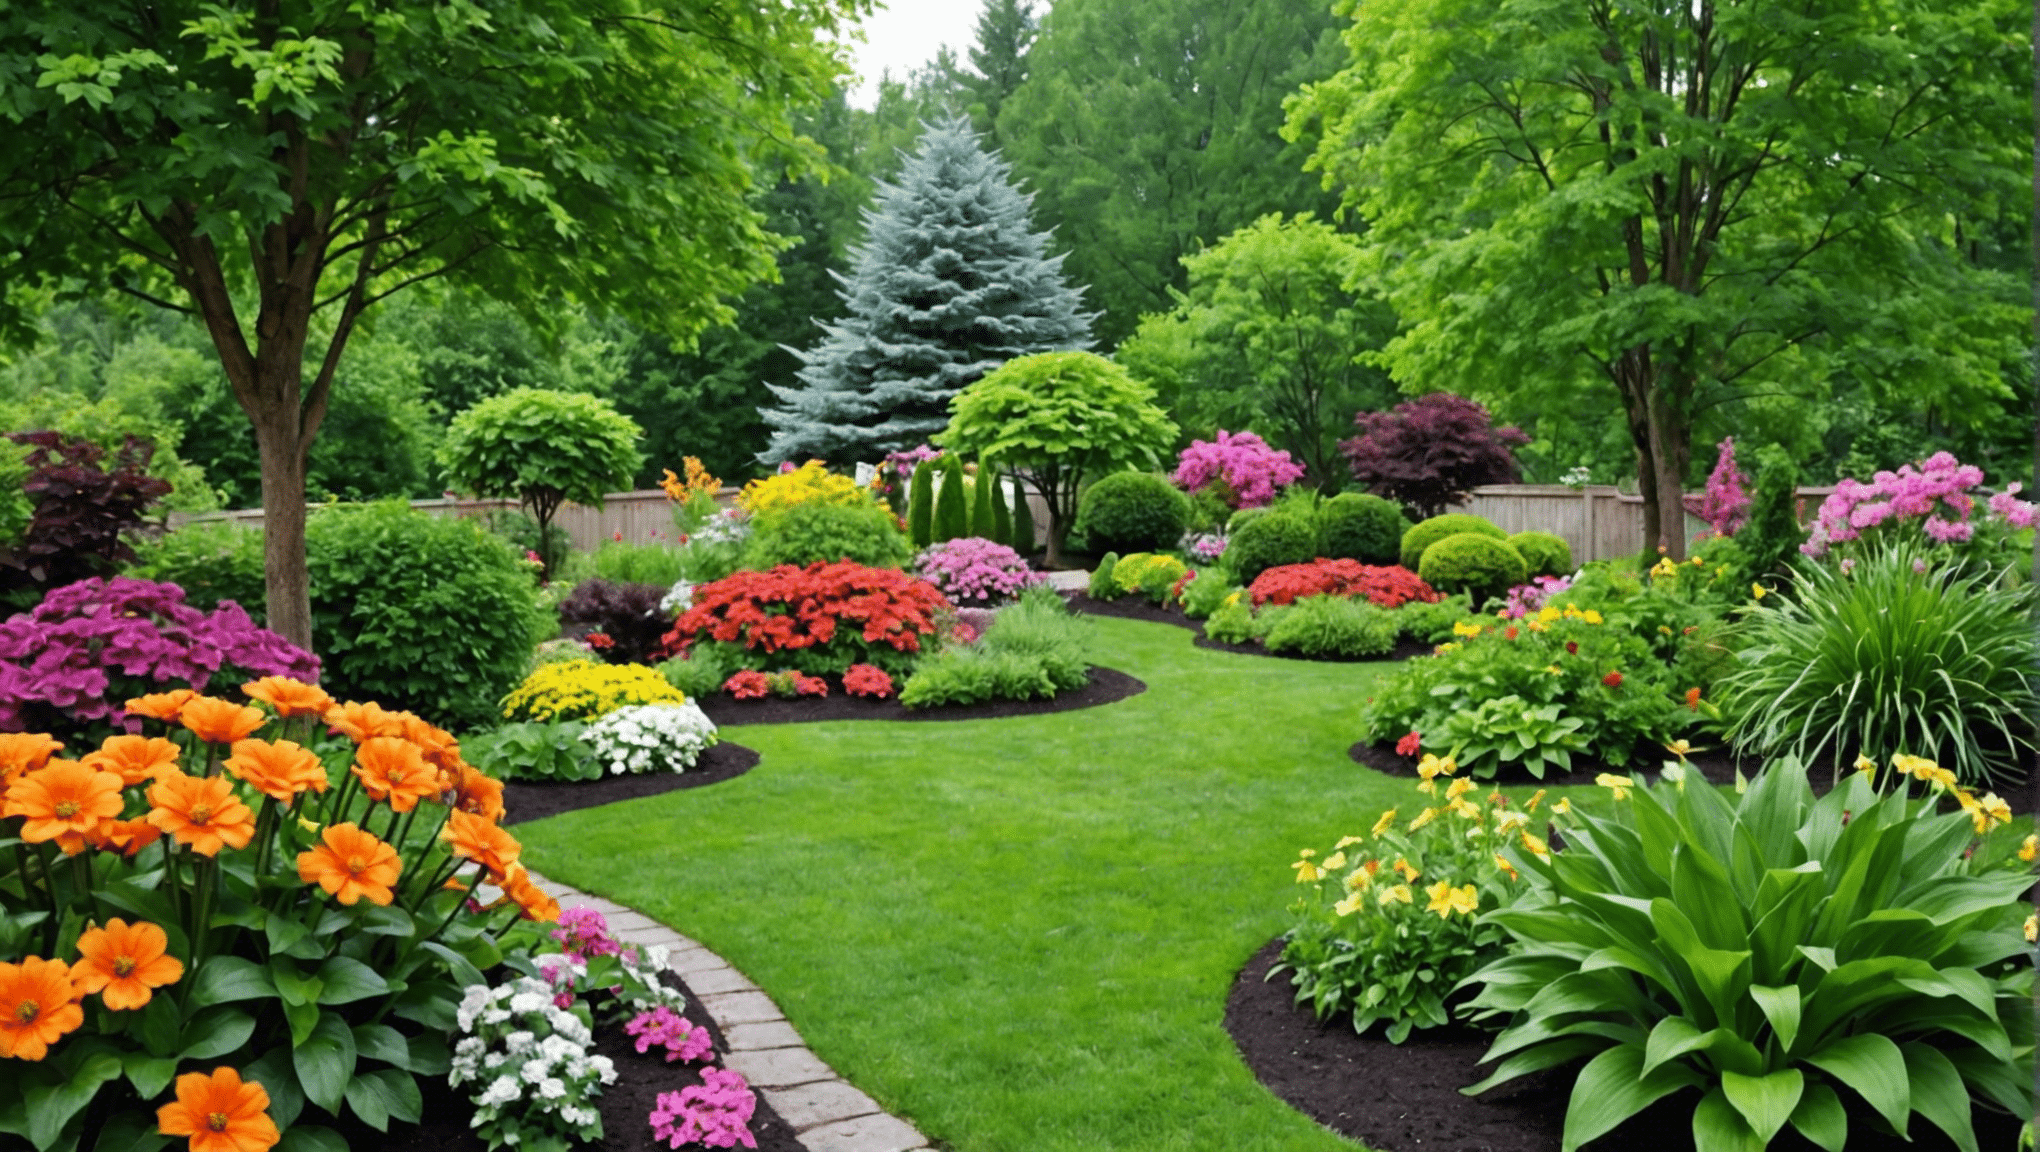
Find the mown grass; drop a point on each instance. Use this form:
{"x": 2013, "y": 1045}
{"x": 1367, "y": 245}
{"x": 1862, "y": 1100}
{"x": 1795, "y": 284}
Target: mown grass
{"x": 1018, "y": 933}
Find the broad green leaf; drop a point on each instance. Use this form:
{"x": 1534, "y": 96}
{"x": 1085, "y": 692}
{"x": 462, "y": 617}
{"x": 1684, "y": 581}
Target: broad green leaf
{"x": 1718, "y": 1127}
{"x": 1548, "y": 1055}
{"x": 382, "y": 1042}
{"x": 311, "y": 1138}
{"x": 1939, "y": 1094}
{"x": 1996, "y": 1079}
{"x": 1670, "y": 1038}
{"x": 274, "y": 1071}
{"x": 346, "y": 980}
{"x": 1821, "y": 1118}
{"x": 131, "y": 1131}
{"x": 302, "y": 1018}
{"x": 1703, "y": 892}
{"x": 325, "y": 1062}
{"x": 149, "y": 1074}
{"x": 385, "y": 1094}
{"x": 225, "y": 979}
{"x": 216, "y": 1032}
{"x": 1612, "y": 1088}
{"x": 1874, "y": 1067}
{"x": 1766, "y": 1102}
{"x": 1781, "y": 1007}
{"x": 51, "y": 1106}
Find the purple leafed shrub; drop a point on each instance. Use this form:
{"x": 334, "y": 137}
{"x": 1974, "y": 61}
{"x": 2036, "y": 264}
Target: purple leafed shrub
{"x": 83, "y": 511}
{"x": 715, "y": 1113}
{"x": 1726, "y": 502}
{"x": 1428, "y": 453}
{"x": 91, "y": 646}
{"x": 1239, "y": 466}
{"x": 973, "y": 570}
{"x": 628, "y": 614}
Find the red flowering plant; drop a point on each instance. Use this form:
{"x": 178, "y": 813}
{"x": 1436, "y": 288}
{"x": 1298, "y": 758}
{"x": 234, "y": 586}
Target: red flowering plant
{"x": 820, "y": 619}
{"x": 1389, "y": 587}
{"x": 865, "y": 680}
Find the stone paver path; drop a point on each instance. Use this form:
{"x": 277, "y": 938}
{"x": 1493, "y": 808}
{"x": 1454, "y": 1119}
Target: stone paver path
{"x": 827, "y": 1114}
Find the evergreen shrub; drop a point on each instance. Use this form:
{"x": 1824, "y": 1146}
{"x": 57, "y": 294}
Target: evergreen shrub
{"x": 1473, "y": 563}
{"x": 952, "y": 516}
{"x": 1268, "y": 540}
{"x": 1429, "y": 532}
{"x": 212, "y": 560}
{"x": 1544, "y": 553}
{"x": 1133, "y": 512}
{"x": 1354, "y": 526}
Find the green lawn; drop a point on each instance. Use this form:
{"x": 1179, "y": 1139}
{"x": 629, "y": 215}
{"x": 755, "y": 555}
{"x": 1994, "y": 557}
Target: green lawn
{"x": 1018, "y": 934}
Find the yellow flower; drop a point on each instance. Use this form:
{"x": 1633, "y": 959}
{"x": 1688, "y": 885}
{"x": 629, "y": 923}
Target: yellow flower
{"x": 1536, "y": 798}
{"x": 1399, "y": 894}
{"x": 1306, "y": 872}
{"x": 1535, "y": 846}
{"x": 1349, "y": 905}
{"x": 1432, "y": 765}
{"x": 1699, "y": 563}
{"x": 1347, "y": 842}
{"x": 1503, "y": 866}
{"x": 1334, "y": 862}
{"x": 1460, "y": 808}
{"x": 2032, "y": 928}
{"x": 1508, "y": 822}
{"x": 1758, "y": 591}
{"x": 1538, "y": 625}
{"x": 1423, "y": 818}
{"x": 1361, "y": 877}
{"x": 1406, "y": 869}
{"x": 1547, "y": 614}
{"x": 1460, "y": 788}
{"x": 1591, "y": 616}
{"x": 1382, "y": 825}
{"x": 1990, "y": 812}
{"x": 1445, "y": 899}
{"x": 1865, "y": 765}
{"x": 1449, "y": 647}
{"x": 1663, "y": 568}
{"x": 2029, "y": 848}
{"x": 1466, "y": 628}
{"x": 1679, "y": 748}
{"x": 1563, "y": 807}
{"x": 1619, "y": 785}
{"x": 810, "y": 482}
{"x": 1941, "y": 778}
{"x": 1554, "y": 669}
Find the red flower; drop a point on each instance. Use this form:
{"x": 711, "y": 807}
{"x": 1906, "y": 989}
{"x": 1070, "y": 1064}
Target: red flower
{"x": 1509, "y": 632}
{"x": 866, "y": 680}
{"x": 1612, "y": 679}
{"x": 1409, "y": 745}
{"x": 1389, "y": 587}
{"x": 809, "y": 685}
{"x": 829, "y": 606}
{"x": 1572, "y": 647}
{"x": 1693, "y": 699}
{"x": 599, "y": 640}
{"x": 747, "y": 685}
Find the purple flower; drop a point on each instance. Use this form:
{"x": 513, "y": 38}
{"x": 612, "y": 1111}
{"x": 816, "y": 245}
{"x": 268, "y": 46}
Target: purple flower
{"x": 1240, "y": 466}
{"x": 584, "y": 933}
{"x": 972, "y": 569}
{"x": 1725, "y": 504}
{"x": 1527, "y": 598}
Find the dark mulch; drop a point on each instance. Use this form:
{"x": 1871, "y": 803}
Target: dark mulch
{"x": 1405, "y": 1098}
{"x": 626, "y": 1105}
{"x": 1106, "y": 686}
{"x": 534, "y": 800}
{"x": 1141, "y": 608}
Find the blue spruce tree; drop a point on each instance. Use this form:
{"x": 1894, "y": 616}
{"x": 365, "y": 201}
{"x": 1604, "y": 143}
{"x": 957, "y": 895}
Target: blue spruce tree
{"x": 950, "y": 282}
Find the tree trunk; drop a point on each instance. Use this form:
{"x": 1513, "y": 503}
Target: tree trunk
{"x": 287, "y": 578}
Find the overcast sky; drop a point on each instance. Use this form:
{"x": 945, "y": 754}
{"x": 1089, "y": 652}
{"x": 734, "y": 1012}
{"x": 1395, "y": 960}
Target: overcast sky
{"x": 904, "y": 34}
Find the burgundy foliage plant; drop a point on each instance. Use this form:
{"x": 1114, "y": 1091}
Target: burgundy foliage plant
{"x": 1428, "y": 453}
{"x": 84, "y": 511}
{"x": 627, "y": 614}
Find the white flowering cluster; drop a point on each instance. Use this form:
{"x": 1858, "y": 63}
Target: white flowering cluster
{"x": 729, "y": 526}
{"x": 679, "y": 598}
{"x": 651, "y": 737}
{"x": 530, "y": 1061}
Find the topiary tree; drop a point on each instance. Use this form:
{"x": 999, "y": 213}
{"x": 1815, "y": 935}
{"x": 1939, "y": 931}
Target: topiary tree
{"x": 1355, "y": 526}
{"x": 921, "y": 505}
{"x": 1430, "y": 452}
{"x": 983, "y": 523}
{"x": 1060, "y": 416}
{"x": 1544, "y": 553}
{"x": 1429, "y": 532}
{"x": 1772, "y": 535}
{"x": 1023, "y": 521}
{"x": 1474, "y": 563}
{"x": 952, "y": 518}
{"x": 544, "y": 448}
{"x": 1002, "y": 513}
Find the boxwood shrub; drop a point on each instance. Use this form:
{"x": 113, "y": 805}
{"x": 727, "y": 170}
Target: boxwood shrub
{"x": 1133, "y": 512}
{"x": 1352, "y": 526}
{"x": 1475, "y": 564}
{"x": 1544, "y": 553}
{"x": 1437, "y": 528}
{"x": 1278, "y": 537}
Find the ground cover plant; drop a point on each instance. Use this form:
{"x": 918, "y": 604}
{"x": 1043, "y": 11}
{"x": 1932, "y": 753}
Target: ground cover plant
{"x": 1328, "y": 628}
{"x": 585, "y": 690}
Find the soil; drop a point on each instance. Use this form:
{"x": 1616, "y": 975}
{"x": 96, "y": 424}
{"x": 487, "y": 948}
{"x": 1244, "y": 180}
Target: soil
{"x": 1140, "y": 608}
{"x": 1405, "y": 1098}
{"x": 1106, "y": 686}
{"x": 534, "y": 800}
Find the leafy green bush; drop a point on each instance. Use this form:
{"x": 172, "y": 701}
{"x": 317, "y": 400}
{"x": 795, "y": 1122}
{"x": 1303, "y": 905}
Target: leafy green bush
{"x": 1429, "y": 532}
{"x": 1033, "y": 649}
{"x": 1149, "y": 574}
{"x": 212, "y": 560}
{"x": 1334, "y": 627}
{"x": 1235, "y": 622}
{"x": 1353, "y": 526}
{"x": 1767, "y": 950}
{"x": 1884, "y": 656}
{"x": 1103, "y": 587}
{"x": 1770, "y": 539}
{"x": 1478, "y": 565}
{"x": 623, "y": 563}
{"x": 1133, "y": 512}
{"x": 1432, "y": 623}
{"x": 423, "y": 613}
{"x": 533, "y": 750}
{"x": 1543, "y": 553}
{"x": 1203, "y": 595}
{"x": 1244, "y": 517}
{"x": 702, "y": 672}
{"x": 1275, "y": 538}
{"x": 817, "y": 532}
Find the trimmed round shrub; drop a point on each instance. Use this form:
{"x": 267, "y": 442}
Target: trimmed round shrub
{"x": 1353, "y": 526}
{"x": 432, "y": 615}
{"x": 821, "y": 532}
{"x": 1544, "y": 553}
{"x": 1474, "y": 563}
{"x": 1133, "y": 512}
{"x": 1437, "y": 528}
{"x": 1242, "y": 518}
{"x": 1268, "y": 540}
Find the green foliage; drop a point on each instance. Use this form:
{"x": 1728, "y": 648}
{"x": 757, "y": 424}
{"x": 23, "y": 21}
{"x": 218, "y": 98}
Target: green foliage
{"x": 703, "y": 671}
{"x": 212, "y": 560}
{"x": 1770, "y": 539}
{"x": 1432, "y": 623}
{"x": 622, "y": 562}
{"x": 1937, "y": 662}
{"x": 1033, "y": 649}
{"x": 1234, "y": 621}
{"x": 533, "y": 750}
{"x": 1543, "y": 553}
{"x": 1773, "y": 951}
{"x": 1355, "y": 526}
{"x": 1428, "y": 532}
{"x": 419, "y": 612}
{"x": 1103, "y": 586}
{"x": 1470, "y": 562}
{"x": 1132, "y": 512}
{"x": 1203, "y": 595}
{"x": 1332, "y": 628}
{"x": 983, "y": 523}
{"x": 921, "y": 505}
{"x": 1061, "y": 416}
{"x": 952, "y": 519}
{"x": 1266, "y": 541}
{"x": 541, "y": 447}
{"x": 1023, "y": 540}
{"x": 1149, "y": 574}
{"x": 1001, "y": 521}
{"x": 1533, "y": 737}
{"x": 16, "y": 510}
{"x": 817, "y": 532}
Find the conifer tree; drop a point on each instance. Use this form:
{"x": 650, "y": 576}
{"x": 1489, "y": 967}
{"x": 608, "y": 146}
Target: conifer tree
{"x": 1002, "y": 514}
{"x": 952, "y": 517}
{"x": 1005, "y": 31}
{"x": 981, "y": 524}
{"x": 921, "y": 505}
{"x": 950, "y": 282}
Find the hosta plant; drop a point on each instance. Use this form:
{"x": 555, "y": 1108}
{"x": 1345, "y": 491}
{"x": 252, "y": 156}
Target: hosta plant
{"x": 1771, "y": 952}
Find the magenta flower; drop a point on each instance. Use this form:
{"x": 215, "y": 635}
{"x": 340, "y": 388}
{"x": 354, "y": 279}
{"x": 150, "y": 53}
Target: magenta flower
{"x": 1936, "y": 495}
{"x": 714, "y": 1114}
{"x": 1239, "y": 466}
{"x": 973, "y": 570}
{"x": 1726, "y": 503}
{"x": 664, "y": 1028}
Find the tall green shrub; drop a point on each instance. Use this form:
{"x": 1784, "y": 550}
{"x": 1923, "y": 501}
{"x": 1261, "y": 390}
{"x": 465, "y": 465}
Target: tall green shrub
{"x": 1002, "y": 512}
{"x": 1773, "y": 534}
{"x": 952, "y": 518}
{"x": 1023, "y": 521}
{"x": 921, "y": 505}
{"x": 981, "y": 504}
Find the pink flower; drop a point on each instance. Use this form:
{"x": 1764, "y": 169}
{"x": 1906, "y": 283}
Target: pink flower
{"x": 1725, "y": 504}
{"x": 1239, "y": 466}
{"x": 663, "y": 1028}
{"x": 715, "y": 1113}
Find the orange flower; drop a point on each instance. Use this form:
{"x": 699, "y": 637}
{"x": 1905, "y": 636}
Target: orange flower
{"x": 278, "y": 769}
{"x": 351, "y": 864}
{"x": 478, "y": 793}
{"x": 437, "y": 744}
{"x": 395, "y": 770}
{"x": 201, "y": 811}
{"x": 38, "y": 1005}
{"x": 219, "y": 1113}
{"x": 123, "y": 962}
{"x": 134, "y": 758}
{"x": 25, "y": 752}
{"x": 529, "y": 897}
{"x": 63, "y": 801}
{"x": 359, "y": 722}
{"x": 474, "y": 838}
{"x": 289, "y": 697}
{"x": 217, "y": 721}
{"x": 126, "y": 837}
{"x": 164, "y": 706}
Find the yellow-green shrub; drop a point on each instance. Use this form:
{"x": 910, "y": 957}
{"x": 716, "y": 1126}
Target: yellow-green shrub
{"x": 811, "y": 482}
{"x": 1148, "y": 573}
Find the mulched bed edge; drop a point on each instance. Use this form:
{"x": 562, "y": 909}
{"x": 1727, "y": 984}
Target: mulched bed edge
{"x": 1106, "y": 686}
{"x": 535, "y": 799}
{"x": 1136, "y": 607}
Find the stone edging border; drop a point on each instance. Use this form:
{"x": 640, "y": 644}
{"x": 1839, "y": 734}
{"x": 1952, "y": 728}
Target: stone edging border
{"x": 826, "y": 1112}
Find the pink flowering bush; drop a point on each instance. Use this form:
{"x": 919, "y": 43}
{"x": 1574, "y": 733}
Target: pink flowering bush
{"x": 973, "y": 570}
{"x": 1527, "y": 598}
{"x": 664, "y": 1028}
{"x": 68, "y": 664}
{"x": 1725, "y": 503}
{"x": 1239, "y": 466}
{"x": 714, "y": 1114}
{"x": 1936, "y": 499}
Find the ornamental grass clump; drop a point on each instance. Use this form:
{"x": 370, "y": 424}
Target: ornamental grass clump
{"x": 1898, "y": 650}
{"x": 1771, "y": 952}
{"x": 275, "y": 890}
{"x": 584, "y": 690}
{"x": 1390, "y": 919}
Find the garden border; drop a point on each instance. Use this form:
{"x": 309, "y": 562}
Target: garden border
{"x": 826, "y": 1112}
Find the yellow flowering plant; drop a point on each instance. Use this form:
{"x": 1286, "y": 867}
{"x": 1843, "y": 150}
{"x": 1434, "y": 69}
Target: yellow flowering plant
{"x": 811, "y": 482}
{"x": 585, "y": 690}
{"x": 1389, "y": 919}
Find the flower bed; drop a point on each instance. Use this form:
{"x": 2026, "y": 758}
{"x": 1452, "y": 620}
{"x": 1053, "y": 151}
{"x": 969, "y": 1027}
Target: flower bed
{"x": 819, "y": 619}
{"x": 1389, "y": 587}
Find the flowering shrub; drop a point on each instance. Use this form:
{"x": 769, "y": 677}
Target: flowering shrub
{"x": 748, "y": 685}
{"x": 821, "y": 619}
{"x": 1239, "y": 466}
{"x": 1937, "y": 498}
{"x": 64, "y": 665}
{"x": 714, "y": 1114}
{"x": 865, "y": 680}
{"x": 1725, "y": 503}
{"x": 229, "y": 900}
{"x": 1390, "y": 587}
{"x": 1525, "y": 599}
{"x": 652, "y": 737}
{"x": 699, "y": 482}
{"x": 973, "y": 570}
{"x": 535, "y": 1061}
{"x": 580, "y": 690}
{"x": 810, "y": 482}
{"x": 1363, "y": 944}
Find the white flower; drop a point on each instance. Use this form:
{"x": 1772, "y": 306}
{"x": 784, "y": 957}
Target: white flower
{"x": 552, "y": 1088}
{"x": 645, "y": 737}
{"x": 678, "y": 598}
{"x": 503, "y": 1091}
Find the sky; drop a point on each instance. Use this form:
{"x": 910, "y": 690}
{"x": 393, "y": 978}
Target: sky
{"x": 904, "y": 34}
